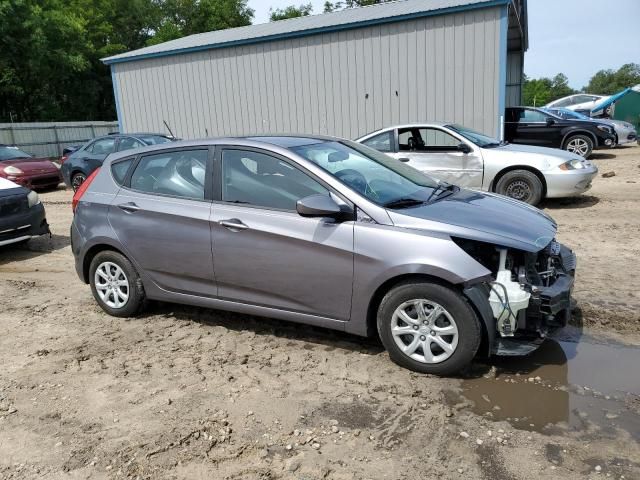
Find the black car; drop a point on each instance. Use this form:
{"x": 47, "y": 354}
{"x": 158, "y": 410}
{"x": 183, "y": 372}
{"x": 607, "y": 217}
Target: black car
{"x": 22, "y": 215}
{"x": 79, "y": 164}
{"x": 534, "y": 126}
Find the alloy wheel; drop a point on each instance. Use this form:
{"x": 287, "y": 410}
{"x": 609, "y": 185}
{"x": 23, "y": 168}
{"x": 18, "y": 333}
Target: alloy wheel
{"x": 424, "y": 331}
{"x": 112, "y": 285}
{"x": 579, "y": 146}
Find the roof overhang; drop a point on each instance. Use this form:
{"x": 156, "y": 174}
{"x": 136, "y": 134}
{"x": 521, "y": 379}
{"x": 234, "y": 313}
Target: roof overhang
{"x": 281, "y": 33}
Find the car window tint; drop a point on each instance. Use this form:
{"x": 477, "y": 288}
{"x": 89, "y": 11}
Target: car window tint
{"x": 154, "y": 139}
{"x": 382, "y": 142}
{"x": 264, "y": 181}
{"x": 103, "y": 147}
{"x": 564, "y": 102}
{"x": 120, "y": 169}
{"x": 532, "y": 116}
{"x": 426, "y": 140}
{"x": 180, "y": 174}
{"x": 127, "y": 143}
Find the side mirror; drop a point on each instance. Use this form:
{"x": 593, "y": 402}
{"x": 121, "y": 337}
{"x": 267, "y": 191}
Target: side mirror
{"x": 322, "y": 205}
{"x": 464, "y": 148}
{"x": 550, "y": 121}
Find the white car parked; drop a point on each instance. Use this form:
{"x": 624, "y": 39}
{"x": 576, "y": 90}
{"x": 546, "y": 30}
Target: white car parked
{"x": 459, "y": 155}
{"x": 581, "y": 102}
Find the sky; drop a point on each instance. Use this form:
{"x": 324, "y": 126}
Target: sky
{"x": 574, "y": 37}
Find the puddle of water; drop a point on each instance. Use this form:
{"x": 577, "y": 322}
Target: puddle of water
{"x": 568, "y": 382}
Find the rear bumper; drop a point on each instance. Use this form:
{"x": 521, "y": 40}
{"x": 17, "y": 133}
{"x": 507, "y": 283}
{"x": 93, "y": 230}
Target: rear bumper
{"x": 23, "y": 226}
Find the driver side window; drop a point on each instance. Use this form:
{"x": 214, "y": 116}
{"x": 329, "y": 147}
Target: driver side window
{"x": 426, "y": 139}
{"x": 261, "y": 180}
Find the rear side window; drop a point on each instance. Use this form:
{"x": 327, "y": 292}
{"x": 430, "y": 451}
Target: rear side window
{"x": 120, "y": 169}
{"x": 103, "y": 146}
{"x": 179, "y": 174}
{"x": 382, "y": 142}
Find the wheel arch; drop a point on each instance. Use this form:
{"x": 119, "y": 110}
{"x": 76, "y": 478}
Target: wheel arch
{"x": 372, "y": 311}
{"x": 587, "y": 133}
{"x": 92, "y": 252}
{"x": 511, "y": 168}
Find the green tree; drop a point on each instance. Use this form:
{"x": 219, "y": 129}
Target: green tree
{"x": 342, "y": 4}
{"x": 540, "y": 91}
{"x": 50, "y": 50}
{"x": 290, "y": 12}
{"x": 608, "y": 82}
{"x": 179, "y": 18}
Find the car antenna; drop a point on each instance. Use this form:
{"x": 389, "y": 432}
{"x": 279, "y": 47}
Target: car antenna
{"x": 206, "y": 130}
{"x": 168, "y": 128}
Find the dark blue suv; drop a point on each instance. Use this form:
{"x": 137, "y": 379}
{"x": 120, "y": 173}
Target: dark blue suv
{"x": 79, "y": 164}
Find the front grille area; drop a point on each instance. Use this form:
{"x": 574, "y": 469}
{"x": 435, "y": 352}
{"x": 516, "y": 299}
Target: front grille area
{"x": 13, "y": 204}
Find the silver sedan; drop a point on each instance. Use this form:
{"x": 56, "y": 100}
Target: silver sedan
{"x": 463, "y": 157}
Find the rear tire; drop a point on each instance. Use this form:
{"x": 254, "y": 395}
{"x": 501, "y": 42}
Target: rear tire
{"x": 521, "y": 185}
{"x": 580, "y": 145}
{"x": 115, "y": 284}
{"x": 428, "y": 328}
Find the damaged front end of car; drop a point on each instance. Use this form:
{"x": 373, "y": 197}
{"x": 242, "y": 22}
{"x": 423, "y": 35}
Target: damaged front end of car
{"x": 527, "y": 297}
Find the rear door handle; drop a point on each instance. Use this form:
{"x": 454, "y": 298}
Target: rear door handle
{"x": 129, "y": 207}
{"x": 233, "y": 224}
{"x": 403, "y": 159}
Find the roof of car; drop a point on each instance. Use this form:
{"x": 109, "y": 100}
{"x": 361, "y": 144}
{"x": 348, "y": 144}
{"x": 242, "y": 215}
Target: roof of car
{"x": 282, "y": 141}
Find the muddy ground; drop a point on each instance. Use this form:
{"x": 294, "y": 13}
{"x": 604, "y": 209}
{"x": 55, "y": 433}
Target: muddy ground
{"x": 188, "y": 393}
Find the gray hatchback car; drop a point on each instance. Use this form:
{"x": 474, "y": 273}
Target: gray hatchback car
{"x": 327, "y": 232}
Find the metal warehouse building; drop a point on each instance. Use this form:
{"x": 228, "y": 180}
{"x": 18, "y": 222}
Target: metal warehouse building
{"x": 344, "y": 73}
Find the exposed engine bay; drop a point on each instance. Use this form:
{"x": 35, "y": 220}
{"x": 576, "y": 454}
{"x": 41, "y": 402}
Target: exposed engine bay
{"x": 530, "y": 294}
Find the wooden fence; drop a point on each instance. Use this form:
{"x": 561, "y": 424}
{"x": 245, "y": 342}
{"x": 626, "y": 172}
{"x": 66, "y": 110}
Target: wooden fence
{"x": 48, "y": 139}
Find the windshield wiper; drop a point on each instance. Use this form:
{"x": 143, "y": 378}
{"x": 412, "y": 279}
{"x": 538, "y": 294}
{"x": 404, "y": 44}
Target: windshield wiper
{"x": 441, "y": 187}
{"x": 403, "y": 203}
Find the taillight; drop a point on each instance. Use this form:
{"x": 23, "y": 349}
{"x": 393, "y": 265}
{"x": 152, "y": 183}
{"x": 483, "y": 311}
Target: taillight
{"x": 63, "y": 159}
{"x": 82, "y": 188}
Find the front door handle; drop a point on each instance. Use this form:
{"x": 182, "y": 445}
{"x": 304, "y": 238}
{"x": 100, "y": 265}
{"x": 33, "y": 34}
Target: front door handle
{"x": 403, "y": 159}
{"x": 233, "y": 224}
{"x": 129, "y": 207}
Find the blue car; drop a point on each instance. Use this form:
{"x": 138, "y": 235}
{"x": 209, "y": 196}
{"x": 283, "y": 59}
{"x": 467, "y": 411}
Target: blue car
{"x": 78, "y": 165}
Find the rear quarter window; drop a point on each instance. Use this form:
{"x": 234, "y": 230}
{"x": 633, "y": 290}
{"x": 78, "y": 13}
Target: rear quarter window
{"x": 119, "y": 170}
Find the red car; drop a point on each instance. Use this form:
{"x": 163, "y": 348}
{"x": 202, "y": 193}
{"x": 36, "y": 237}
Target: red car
{"x": 23, "y": 169}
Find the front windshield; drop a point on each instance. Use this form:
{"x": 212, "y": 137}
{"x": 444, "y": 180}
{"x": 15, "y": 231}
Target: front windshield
{"x": 483, "y": 141}
{"x": 566, "y": 113}
{"x": 10, "y": 153}
{"x": 378, "y": 177}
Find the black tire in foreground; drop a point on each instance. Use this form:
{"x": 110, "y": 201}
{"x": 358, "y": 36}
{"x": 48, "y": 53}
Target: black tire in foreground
{"x": 522, "y": 185}
{"x": 116, "y": 285}
{"x": 428, "y": 328}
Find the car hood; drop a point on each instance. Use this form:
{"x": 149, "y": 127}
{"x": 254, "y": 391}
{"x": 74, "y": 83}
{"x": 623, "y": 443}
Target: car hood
{"x": 531, "y": 151}
{"x": 31, "y": 165}
{"x": 485, "y": 217}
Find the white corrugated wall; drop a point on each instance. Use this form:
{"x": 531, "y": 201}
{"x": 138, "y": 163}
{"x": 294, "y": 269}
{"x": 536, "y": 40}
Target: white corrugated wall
{"x": 343, "y": 83}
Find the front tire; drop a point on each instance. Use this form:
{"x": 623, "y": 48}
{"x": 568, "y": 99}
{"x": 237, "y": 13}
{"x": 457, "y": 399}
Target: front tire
{"x": 77, "y": 179}
{"x": 428, "y": 328}
{"x": 115, "y": 284}
{"x": 579, "y": 144}
{"x": 522, "y": 185}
